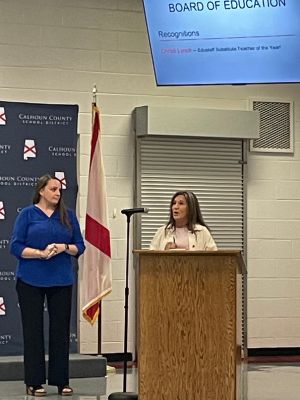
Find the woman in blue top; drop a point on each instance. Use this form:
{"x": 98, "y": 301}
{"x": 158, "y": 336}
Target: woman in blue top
{"x": 45, "y": 237}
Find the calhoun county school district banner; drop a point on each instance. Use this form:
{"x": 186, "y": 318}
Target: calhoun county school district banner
{"x": 35, "y": 139}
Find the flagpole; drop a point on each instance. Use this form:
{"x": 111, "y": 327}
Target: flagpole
{"x": 99, "y": 350}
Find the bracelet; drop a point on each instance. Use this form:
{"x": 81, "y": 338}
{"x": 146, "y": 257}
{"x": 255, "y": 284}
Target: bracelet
{"x": 67, "y": 247}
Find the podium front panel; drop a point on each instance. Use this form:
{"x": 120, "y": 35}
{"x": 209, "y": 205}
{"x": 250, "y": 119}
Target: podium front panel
{"x": 187, "y": 326}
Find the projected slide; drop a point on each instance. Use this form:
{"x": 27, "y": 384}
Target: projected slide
{"x": 224, "y": 42}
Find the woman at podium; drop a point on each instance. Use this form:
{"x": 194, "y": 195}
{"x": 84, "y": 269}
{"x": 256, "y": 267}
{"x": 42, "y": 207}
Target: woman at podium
{"x": 186, "y": 229}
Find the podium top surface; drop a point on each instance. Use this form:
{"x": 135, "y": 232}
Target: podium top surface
{"x": 203, "y": 253}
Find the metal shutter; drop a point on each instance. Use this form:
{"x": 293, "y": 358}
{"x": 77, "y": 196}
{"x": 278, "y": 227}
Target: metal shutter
{"x": 211, "y": 168}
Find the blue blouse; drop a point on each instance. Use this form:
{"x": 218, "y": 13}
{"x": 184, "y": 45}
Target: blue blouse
{"x": 33, "y": 228}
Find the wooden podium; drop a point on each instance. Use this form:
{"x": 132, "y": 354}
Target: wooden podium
{"x": 189, "y": 325}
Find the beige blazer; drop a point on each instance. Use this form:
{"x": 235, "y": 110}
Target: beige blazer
{"x": 200, "y": 240}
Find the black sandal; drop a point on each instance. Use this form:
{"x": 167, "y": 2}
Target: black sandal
{"x": 65, "y": 390}
{"x": 37, "y": 391}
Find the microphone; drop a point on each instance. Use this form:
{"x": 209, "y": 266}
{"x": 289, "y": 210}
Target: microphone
{"x": 130, "y": 211}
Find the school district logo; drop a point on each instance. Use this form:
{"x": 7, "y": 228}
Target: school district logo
{"x": 2, "y": 306}
{"x": 2, "y": 211}
{"x": 5, "y": 339}
{"x": 62, "y": 151}
{"x": 5, "y": 148}
{"x": 4, "y": 244}
{"x": 29, "y": 149}
{"x": 73, "y": 338}
{"x": 2, "y": 116}
{"x": 6, "y": 276}
{"x": 62, "y": 179}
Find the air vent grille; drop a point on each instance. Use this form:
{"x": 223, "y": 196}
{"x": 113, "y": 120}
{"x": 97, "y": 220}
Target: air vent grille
{"x": 276, "y": 127}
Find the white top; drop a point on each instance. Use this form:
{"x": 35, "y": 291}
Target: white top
{"x": 200, "y": 240}
{"x": 181, "y": 238}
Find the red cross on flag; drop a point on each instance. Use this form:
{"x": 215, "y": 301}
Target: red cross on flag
{"x": 2, "y": 211}
{"x": 62, "y": 179}
{"x": 2, "y": 306}
{"x": 2, "y": 116}
{"x": 29, "y": 149}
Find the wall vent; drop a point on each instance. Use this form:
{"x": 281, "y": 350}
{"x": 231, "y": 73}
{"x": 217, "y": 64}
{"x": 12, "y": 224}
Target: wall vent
{"x": 276, "y": 130}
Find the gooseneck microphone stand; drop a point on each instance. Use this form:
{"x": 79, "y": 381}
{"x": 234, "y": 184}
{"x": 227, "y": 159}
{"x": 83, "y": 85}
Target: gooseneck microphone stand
{"x": 126, "y": 395}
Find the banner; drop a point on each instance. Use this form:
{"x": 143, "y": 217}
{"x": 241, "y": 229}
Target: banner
{"x": 35, "y": 139}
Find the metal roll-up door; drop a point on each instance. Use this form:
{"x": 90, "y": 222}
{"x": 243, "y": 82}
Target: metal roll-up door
{"x": 211, "y": 168}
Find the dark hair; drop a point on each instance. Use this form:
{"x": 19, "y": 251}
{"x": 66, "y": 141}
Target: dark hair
{"x": 42, "y": 182}
{"x": 193, "y": 211}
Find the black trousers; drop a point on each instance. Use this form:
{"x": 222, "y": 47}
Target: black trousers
{"x": 59, "y": 300}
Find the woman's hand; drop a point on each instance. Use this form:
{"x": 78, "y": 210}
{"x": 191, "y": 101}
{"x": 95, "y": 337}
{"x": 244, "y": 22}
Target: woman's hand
{"x": 170, "y": 245}
{"x": 54, "y": 249}
{"x": 50, "y": 251}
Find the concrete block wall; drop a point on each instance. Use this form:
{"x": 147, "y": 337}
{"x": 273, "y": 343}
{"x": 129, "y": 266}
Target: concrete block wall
{"x": 56, "y": 51}
{"x": 273, "y": 247}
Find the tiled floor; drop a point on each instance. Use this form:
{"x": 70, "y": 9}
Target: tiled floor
{"x": 265, "y": 382}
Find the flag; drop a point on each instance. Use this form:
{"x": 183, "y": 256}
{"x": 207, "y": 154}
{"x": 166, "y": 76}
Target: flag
{"x": 96, "y": 272}
{"x": 60, "y": 176}
{"x": 2, "y": 116}
{"x": 2, "y": 211}
{"x": 29, "y": 149}
{"x": 2, "y": 306}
